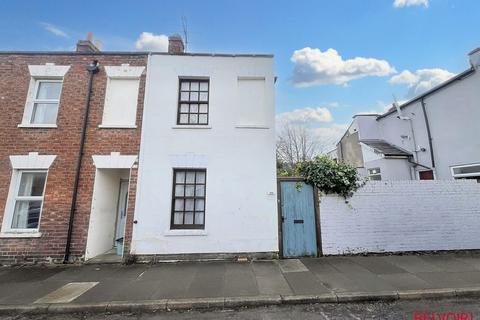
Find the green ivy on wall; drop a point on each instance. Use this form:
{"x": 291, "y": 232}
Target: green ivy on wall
{"x": 329, "y": 176}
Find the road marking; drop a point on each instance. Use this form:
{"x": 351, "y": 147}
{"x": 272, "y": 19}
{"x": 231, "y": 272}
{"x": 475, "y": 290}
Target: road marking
{"x": 67, "y": 293}
{"x": 292, "y": 265}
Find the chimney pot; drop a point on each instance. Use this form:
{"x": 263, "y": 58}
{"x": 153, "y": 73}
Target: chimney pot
{"x": 87, "y": 45}
{"x": 474, "y": 57}
{"x": 175, "y": 45}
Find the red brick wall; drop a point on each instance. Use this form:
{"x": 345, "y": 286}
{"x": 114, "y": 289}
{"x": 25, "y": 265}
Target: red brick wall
{"x": 62, "y": 141}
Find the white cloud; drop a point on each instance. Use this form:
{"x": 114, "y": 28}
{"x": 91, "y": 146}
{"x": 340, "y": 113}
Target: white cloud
{"x": 328, "y": 137}
{"x": 54, "y": 29}
{"x": 314, "y": 67}
{"x": 422, "y": 80}
{"x": 148, "y": 41}
{"x": 306, "y": 115}
{"x": 408, "y": 3}
{"x": 314, "y": 121}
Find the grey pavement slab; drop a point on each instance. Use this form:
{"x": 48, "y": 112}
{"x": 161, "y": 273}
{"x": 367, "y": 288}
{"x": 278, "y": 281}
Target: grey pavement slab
{"x": 370, "y": 282}
{"x": 292, "y": 265}
{"x": 239, "y": 280}
{"x": 445, "y": 279}
{"x": 337, "y": 282}
{"x": 448, "y": 263}
{"x": 173, "y": 279}
{"x": 345, "y": 265}
{"x": 411, "y": 263}
{"x": 473, "y": 277}
{"x": 305, "y": 283}
{"x": 29, "y": 274}
{"x": 270, "y": 280}
{"x": 137, "y": 290}
{"x": 104, "y": 291}
{"x": 27, "y": 292}
{"x": 208, "y": 280}
{"x": 472, "y": 260}
{"x": 377, "y": 265}
{"x": 319, "y": 265}
{"x": 405, "y": 281}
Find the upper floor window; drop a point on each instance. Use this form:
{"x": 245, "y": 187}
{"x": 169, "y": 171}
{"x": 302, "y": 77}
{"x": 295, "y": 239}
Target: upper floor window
{"x": 121, "y": 96}
{"x": 193, "y": 102}
{"x": 43, "y": 98}
{"x": 45, "y": 103}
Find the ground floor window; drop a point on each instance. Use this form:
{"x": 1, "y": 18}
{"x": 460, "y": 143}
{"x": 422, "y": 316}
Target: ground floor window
{"x": 188, "y": 199}
{"x": 28, "y": 201}
{"x": 426, "y": 175}
{"x": 374, "y": 174}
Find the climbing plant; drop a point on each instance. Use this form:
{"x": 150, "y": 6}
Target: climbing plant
{"x": 329, "y": 176}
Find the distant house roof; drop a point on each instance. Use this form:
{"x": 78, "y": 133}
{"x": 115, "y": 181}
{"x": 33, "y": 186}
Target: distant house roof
{"x": 386, "y": 148}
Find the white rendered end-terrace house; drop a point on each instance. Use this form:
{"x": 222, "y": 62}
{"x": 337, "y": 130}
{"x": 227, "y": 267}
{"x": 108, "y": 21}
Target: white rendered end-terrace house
{"x": 432, "y": 136}
{"x": 207, "y": 173}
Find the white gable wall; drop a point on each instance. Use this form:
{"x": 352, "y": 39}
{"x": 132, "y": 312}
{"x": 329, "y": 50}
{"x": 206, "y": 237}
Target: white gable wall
{"x": 237, "y": 148}
{"x": 453, "y": 114}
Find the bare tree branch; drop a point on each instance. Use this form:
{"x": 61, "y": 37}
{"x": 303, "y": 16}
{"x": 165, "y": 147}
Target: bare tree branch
{"x": 295, "y": 143}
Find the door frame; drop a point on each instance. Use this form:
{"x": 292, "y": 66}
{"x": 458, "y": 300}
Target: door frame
{"x": 127, "y": 181}
{"x": 316, "y": 213}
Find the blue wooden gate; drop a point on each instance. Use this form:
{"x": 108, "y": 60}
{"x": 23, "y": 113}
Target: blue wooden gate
{"x": 297, "y": 208}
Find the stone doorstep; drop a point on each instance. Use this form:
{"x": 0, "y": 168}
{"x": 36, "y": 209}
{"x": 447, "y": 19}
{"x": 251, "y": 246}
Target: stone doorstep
{"x": 235, "y": 302}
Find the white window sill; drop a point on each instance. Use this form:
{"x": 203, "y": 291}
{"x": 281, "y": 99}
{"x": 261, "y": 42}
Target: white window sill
{"x": 248, "y": 126}
{"x": 32, "y": 125}
{"x": 20, "y": 234}
{"x": 108, "y": 126}
{"x": 176, "y": 233}
{"x": 186, "y": 126}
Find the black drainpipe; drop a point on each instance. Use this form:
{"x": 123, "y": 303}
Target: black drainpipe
{"x": 427, "y": 124}
{"x": 92, "y": 68}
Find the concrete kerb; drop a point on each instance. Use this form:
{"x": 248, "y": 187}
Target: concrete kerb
{"x": 426, "y": 294}
{"x": 367, "y": 296}
{"x": 236, "y": 302}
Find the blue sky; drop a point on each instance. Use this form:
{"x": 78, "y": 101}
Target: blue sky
{"x": 377, "y": 46}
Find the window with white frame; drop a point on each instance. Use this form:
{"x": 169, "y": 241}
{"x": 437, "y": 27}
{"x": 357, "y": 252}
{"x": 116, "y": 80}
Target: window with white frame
{"x": 46, "y": 101}
{"x": 43, "y": 98}
{"x": 468, "y": 171}
{"x": 374, "y": 174}
{"x": 28, "y": 200}
{"x": 23, "y": 208}
{"x": 121, "y": 96}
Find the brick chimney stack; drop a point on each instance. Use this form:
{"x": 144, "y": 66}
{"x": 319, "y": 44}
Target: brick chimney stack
{"x": 175, "y": 45}
{"x": 87, "y": 45}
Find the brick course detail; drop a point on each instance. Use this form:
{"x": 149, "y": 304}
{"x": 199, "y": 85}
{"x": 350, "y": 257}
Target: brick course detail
{"x": 62, "y": 141}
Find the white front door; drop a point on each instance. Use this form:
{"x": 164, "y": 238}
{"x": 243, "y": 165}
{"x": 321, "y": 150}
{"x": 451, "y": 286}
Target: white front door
{"x": 122, "y": 209}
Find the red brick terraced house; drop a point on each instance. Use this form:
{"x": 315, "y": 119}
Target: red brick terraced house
{"x": 70, "y": 129}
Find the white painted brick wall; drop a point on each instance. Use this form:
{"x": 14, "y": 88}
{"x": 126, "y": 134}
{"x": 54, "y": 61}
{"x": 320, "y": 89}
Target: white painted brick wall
{"x": 389, "y": 216}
